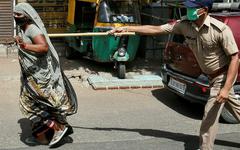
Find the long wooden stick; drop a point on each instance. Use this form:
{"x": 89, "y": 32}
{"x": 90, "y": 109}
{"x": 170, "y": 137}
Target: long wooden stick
{"x": 88, "y": 34}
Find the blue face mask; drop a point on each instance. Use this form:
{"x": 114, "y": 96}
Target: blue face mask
{"x": 192, "y": 14}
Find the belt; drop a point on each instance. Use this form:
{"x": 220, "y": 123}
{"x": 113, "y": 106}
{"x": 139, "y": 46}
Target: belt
{"x": 218, "y": 72}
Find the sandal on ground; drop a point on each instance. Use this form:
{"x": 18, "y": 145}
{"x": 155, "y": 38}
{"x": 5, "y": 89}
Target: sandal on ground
{"x": 58, "y": 135}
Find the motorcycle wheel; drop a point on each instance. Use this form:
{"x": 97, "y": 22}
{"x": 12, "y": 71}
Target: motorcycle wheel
{"x": 121, "y": 70}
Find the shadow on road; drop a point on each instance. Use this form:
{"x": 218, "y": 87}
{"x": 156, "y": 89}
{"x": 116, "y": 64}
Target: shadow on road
{"x": 190, "y": 141}
{"x": 25, "y": 126}
{"x": 176, "y": 103}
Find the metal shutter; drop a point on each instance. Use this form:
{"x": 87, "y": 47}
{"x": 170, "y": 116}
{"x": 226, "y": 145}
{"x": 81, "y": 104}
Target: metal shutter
{"x": 6, "y": 21}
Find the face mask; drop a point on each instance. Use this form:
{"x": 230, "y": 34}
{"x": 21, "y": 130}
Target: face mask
{"x": 21, "y": 21}
{"x": 192, "y": 14}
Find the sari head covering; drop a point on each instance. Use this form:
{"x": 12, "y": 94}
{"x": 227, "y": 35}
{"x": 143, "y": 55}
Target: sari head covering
{"x": 56, "y": 91}
{"x": 28, "y": 11}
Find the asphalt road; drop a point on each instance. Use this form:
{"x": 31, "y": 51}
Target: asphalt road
{"x": 141, "y": 119}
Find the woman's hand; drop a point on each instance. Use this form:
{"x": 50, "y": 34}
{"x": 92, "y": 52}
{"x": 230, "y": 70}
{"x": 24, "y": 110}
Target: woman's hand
{"x": 39, "y": 44}
{"x": 20, "y": 42}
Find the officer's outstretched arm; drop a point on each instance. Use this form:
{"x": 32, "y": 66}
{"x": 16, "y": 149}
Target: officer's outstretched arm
{"x": 143, "y": 30}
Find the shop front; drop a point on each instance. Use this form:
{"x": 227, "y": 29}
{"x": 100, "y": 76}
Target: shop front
{"x": 6, "y": 21}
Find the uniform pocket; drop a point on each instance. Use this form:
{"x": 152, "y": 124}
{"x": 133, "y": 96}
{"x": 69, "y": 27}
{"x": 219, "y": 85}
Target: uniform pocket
{"x": 209, "y": 45}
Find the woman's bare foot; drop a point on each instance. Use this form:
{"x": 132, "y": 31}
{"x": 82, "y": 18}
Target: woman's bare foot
{"x": 42, "y": 139}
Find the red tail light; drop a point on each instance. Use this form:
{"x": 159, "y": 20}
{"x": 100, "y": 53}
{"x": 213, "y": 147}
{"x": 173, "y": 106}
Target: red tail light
{"x": 203, "y": 88}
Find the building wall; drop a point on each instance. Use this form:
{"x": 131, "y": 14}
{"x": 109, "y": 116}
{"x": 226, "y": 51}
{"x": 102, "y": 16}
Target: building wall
{"x": 52, "y": 12}
{"x": 6, "y": 21}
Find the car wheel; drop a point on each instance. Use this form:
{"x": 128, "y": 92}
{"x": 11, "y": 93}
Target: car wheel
{"x": 226, "y": 115}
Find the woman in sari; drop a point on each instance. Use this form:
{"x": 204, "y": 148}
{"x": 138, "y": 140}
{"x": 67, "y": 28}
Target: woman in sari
{"x": 46, "y": 96}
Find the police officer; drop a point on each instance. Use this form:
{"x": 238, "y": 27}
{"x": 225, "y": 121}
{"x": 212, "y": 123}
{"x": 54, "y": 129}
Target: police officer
{"x": 215, "y": 49}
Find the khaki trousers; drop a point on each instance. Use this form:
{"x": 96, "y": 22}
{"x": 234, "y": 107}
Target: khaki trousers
{"x": 209, "y": 126}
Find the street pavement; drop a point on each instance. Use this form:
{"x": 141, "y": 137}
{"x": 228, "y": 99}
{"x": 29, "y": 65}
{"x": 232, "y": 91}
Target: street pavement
{"x": 139, "y": 119}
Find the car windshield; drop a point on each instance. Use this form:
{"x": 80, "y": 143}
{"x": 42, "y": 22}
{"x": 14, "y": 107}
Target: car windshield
{"x": 119, "y": 11}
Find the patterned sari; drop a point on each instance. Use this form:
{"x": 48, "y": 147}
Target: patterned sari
{"x": 46, "y": 93}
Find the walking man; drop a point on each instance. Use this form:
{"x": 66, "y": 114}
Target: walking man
{"x": 215, "y": 49}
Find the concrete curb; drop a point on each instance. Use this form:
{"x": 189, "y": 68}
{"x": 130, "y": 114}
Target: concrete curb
{"x": 137, "y": 82}
{"x": 7, "y": 50}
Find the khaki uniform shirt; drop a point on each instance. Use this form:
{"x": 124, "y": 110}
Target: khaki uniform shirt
{"x": 212, "y": 43}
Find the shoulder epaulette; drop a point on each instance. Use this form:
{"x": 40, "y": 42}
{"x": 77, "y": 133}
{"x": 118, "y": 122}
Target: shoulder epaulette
{"x": 220, "y": 25}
